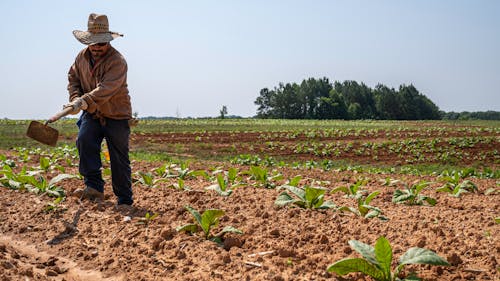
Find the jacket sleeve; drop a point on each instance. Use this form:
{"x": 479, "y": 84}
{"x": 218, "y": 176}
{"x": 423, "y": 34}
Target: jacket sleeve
{"x": 113, "y": 78}
{"x": 74, "y": 86}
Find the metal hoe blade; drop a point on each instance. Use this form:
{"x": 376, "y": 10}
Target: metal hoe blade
{"x": 42, "y": 133}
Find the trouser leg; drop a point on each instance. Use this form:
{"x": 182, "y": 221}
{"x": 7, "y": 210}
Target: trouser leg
{"x": 117, "y": 133}
{"x": 89, "y": 141}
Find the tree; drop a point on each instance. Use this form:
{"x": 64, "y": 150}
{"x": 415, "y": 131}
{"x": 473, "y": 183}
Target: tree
{"x": 223, "y": 112}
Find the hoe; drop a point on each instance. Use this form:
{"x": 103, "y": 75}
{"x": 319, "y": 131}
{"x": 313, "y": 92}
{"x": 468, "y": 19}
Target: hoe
{"x": 45, "y": 134}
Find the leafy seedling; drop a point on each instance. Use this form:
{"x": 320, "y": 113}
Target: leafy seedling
{"x": 148, "y": 179}
{"x": 364, "y": 209}
{"x": 226, "y": 183}
{"x": 206, "y": 222}
{"x": 353, "y": 190}
{"x": 262, "y": 177}
{"x": 307, "y": 197}
{"x": 147, "y": 218}
{"x": 180, "y": 185}
{"x": 376, "y": 261}
{"x": 54, "y": 206}
{"x": 456, "y": 188}
{"x": 411, "y": 195}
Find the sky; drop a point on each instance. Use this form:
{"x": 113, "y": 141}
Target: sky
{"x": 189, "y": 58}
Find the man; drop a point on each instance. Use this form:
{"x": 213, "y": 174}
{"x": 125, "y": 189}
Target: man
{"x": 98, "y": 86}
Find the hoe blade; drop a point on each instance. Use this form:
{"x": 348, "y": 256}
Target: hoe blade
{"x": 42, "y": 133}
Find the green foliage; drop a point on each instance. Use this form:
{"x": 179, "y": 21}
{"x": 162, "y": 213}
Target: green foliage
{"x": 180, "y": 185}
{"x": 263, "y": 177}
{"x": 33, "y": 181}
{"x": 184, "y": 172}
{"x": 54, "y": 206}
{"x": 319, "y": 99}
{"x": 307, "y": 197}
{"x": 226, "y": 182}
{"x": 149, "y": 180}
{"x": 454, "y": 183}
{"x": 207, "y": 221}
{"x": 411, "y": 195}
{"x": 376, "y": 261}
{"x": 146, "y": 220}
{"x": 364, "y": 209}
{"x": 353, "y": 190}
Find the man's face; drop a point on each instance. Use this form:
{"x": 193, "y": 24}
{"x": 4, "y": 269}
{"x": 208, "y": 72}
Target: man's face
{"x": 99, "y": 50}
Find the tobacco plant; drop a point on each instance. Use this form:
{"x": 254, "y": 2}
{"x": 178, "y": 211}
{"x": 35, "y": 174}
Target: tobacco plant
{"x": 454, "y": 185}
{"x": 149, "y": 180}
{"x": 206, "y": 222}
{"x": 262, "y": 177}
{"x": 226, "y": 182}
{"x": 364, "y": 209}
{"x": 183, "y": 172}
{"x": 411, "y": 195}
{"x": 307, "y": 197}
{"x": 376, "y": 261}
{"x": 353, "y": 190}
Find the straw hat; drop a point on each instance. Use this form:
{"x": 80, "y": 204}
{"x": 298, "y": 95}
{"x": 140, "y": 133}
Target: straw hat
{"x": 97, "y": 31}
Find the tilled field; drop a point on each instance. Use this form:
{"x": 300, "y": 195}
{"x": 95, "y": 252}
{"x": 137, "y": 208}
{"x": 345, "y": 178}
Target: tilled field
{"x": 287, "y": 243}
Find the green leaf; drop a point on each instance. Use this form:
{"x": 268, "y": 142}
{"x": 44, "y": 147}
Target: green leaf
{"x": 421, "y": 256}
{"x": 367, "y": 251}
{"x": 191, "y": 228}
{"x": 344, "y": 189}
{"x": 209, "y": 219}
{"x": 299, "y": 192}
{"x": 327, "y": 205}
{"x": 284, "y": 199}
{"x": 430, "y": 201}
{"x": 314, "y": 196}
{"x": 401, "y": 196}
{"x": 295, "y": 180}
{"x": 370, "y": 197}
{"x": 349, "y": 265}
{"x": 383, "y": 254}
{"x": 230, "y": 229}
{"x": 195, "y": 214}
{"x": 61, "y": 177}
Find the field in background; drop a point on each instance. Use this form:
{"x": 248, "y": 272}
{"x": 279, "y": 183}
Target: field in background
{"x": 432, "y": 184}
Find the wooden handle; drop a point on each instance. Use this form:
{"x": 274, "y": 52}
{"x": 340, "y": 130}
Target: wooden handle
{"x": 60, "y": 114}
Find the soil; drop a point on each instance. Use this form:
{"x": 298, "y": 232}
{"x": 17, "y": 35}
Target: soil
{"x": 93, "y": 241}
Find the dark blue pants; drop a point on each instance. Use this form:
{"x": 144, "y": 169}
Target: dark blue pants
{"x": 90, "y": 136}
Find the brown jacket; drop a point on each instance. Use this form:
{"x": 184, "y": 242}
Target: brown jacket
{"x": 104, "y": 87}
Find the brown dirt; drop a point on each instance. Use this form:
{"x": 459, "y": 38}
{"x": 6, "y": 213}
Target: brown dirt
{"x": 277, "y": 244}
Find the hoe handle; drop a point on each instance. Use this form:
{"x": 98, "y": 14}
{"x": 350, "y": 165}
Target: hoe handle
{"x": 60, "y": 115}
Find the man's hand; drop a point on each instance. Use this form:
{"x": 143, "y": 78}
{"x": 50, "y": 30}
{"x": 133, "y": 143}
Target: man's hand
{"x": 76, "y": 104}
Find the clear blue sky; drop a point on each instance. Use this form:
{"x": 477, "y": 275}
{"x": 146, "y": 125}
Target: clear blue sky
{"x": 188, "y": 58}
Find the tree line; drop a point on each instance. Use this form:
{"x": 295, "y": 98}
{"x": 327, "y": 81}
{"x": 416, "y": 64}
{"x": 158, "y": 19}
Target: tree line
{"x": 320, "y": 99}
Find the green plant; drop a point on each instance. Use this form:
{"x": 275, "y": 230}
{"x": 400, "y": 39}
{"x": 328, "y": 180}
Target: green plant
{"x": 148, "y": 179}
{"x": 454, "y": 184}
{"x": 376, "y": 261}
{"x": 207, "y": 221}
{"x": 147, "y": 218}
{"x": 180, "y": 185}
{"x": 183, "y": 172}
{"x": 54, "y": 206}
{"x": 40, "y": 185}
{"x": 353, "y": 190}
{"x": 308, "y": 197}
{"x": 226, "y": 183}
{"x": 364, "y": 209}
{"x": 411, "y": 195}
{"x": 262, "y": 177}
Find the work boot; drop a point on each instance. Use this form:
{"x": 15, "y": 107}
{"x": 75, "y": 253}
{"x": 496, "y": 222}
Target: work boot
{"x": 125, "y": 209}
{"x": 89, "y": 193}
